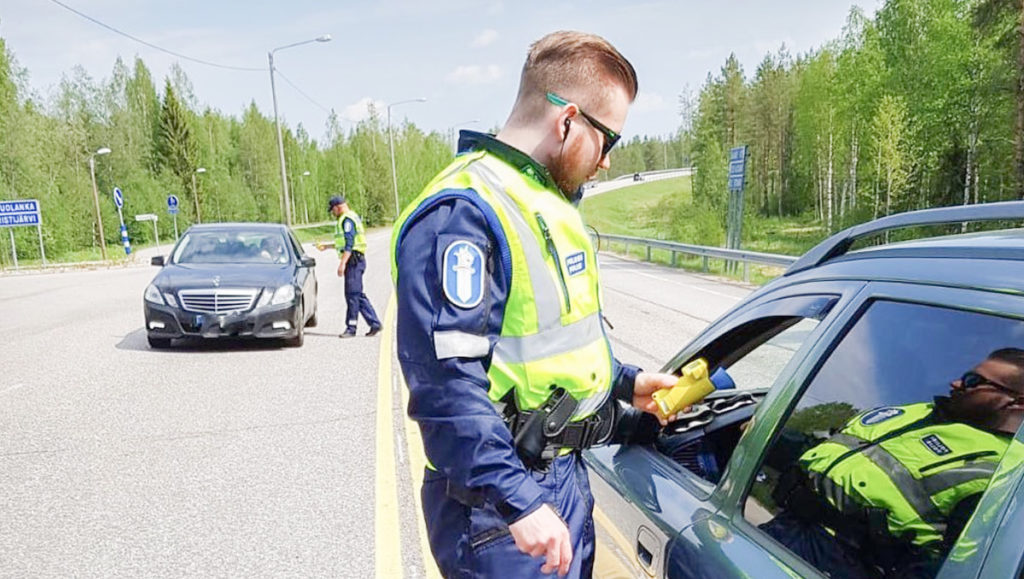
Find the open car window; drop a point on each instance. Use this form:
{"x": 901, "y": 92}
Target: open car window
{"x": 879, "y": 465}
{"x": 754, "y": 353}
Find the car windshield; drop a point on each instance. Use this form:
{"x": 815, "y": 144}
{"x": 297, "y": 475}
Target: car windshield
{"x": 231, "y": 247}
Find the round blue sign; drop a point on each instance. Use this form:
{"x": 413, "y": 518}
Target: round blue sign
{"x": 118, "y": 198}
{"x": 172, "y": 201}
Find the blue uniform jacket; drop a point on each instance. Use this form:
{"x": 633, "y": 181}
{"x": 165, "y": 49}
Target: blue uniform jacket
{"x": 463, "y": 434}
{"x": 348, "y": 227}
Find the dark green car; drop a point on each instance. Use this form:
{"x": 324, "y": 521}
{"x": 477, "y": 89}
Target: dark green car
{"x": 850, "y": 331}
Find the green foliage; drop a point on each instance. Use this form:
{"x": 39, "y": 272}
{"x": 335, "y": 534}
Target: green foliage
{"x": 821, "y": 417}
{"x": 911, "y": 108}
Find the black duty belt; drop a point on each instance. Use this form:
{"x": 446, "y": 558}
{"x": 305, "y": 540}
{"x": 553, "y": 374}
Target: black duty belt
{"x": 541, "y": 435}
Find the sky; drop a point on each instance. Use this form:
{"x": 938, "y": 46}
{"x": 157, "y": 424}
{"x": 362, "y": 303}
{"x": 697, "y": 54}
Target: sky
{"x": 463, "y": 56}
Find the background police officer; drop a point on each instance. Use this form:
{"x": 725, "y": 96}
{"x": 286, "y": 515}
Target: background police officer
{"x": 892, "y": 490}
{"x": 499, "y": 307}
{"x": 350, "y": 242}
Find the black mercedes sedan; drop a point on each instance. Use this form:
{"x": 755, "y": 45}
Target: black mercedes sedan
{"x": 232, "y": 280}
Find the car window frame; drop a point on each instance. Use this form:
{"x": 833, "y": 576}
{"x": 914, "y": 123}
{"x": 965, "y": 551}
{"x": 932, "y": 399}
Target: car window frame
{"x": 781, "y": 402}
{"x": 773, "y": 303}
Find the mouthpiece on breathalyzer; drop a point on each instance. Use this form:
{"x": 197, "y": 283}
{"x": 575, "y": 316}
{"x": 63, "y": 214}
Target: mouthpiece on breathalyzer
{"x": 693, "y": 385}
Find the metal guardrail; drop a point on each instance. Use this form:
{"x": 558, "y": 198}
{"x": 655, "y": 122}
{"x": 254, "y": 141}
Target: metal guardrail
{"x": 313, "y": 225}
{"x": 745, "y": 257}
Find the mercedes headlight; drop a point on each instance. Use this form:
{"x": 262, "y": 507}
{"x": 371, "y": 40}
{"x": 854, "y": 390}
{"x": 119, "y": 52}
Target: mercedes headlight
{"x": 284, "y": 294}
{"x": 169, "y": 298}
{"x": 152, "y": 295}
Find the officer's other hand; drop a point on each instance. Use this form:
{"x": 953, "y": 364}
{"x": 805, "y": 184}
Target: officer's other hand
{"x": 648, "y": 383}
{"x": 543, "y": 533}
{"x": 341, "y": 270}
{"x": 320, "y": 246}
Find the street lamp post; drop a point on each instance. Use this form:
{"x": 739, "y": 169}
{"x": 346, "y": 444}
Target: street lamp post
{"x": 96, "y": 198}
{"x": 455, "y": 135}
{"x": 280, "y": 142}
{"x": 195, "y": 194}
{"x": 305, "y": 194}
{"x": 391, "y": 146}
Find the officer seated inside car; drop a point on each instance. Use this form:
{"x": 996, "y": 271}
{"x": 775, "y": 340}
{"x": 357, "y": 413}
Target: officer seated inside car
{"x": 889, "y": 493}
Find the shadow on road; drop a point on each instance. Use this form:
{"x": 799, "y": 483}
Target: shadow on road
{"x": 136, "y": 341}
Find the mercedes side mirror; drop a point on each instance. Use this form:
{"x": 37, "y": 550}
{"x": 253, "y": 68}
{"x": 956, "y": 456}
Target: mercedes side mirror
{"x": 308, "y": 261}
{"x": 157, "y": 260}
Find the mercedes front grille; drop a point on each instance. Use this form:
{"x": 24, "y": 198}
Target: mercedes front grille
{"x": 217, "y": 301}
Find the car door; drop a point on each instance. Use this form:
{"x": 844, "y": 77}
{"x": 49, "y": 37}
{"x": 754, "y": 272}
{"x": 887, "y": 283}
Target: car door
{"x": 305, "y": 277}
{"x": 892, "y": 344}
{"x": 648, "y": 497}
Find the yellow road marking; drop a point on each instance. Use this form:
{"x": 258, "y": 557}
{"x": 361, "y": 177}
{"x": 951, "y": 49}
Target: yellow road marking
{"x": 387, "y": 530}
{"x": 417, "y": 462}
{"x": 613, "y": 531}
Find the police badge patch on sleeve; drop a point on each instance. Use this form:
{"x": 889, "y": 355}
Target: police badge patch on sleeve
{"x": 463, "y": 277}
{"x": 348, "y": 226}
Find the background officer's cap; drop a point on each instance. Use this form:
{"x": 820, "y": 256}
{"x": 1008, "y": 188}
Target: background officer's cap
{"x": 336, "y": 200}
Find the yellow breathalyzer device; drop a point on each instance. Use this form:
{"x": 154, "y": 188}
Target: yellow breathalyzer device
{"x": 693, "y": 385}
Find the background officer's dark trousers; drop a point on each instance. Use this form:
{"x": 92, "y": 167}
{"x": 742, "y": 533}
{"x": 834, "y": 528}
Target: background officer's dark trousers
{"x": 475, "y": 542}
{"x": 357, "y": 301}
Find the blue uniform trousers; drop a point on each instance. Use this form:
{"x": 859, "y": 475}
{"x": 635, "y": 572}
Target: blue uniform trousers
{"x": 475, "y": 542}
{"x": 357, "y": 301}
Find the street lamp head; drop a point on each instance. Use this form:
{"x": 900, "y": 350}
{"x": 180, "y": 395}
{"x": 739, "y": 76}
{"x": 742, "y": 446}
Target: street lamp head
{"x": 324, "y": 38}
{"x": 102, "y": 151}
{"x": 421, "y": 100}
{"x": 201, "y": 170}
{"x": 305, "y": 173}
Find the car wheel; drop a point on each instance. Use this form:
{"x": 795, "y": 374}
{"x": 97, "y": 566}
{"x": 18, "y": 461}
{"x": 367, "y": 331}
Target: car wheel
{"x": 158, "y": 343}
{"x": 313, "y": 321}
{"x": 299, "y": 338}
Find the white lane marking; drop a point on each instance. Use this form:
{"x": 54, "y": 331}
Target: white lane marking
{"x": 11, "y": 389}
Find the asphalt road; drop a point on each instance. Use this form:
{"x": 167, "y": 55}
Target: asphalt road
{"x": 218, "y": 459}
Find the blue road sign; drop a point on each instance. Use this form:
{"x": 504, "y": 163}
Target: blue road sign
{"x": 19, "y": 213}
{"x": 118, "y": 198}
{"x": 172, "y": 204}
{"x": 737, "y": 167}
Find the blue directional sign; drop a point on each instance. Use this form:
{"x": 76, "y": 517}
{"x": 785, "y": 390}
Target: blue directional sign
{"x": 118, "y": 198}
{"x": 172, "y": 204}
{"x": 19, "y": 213}
{"x": 737, "y": 167}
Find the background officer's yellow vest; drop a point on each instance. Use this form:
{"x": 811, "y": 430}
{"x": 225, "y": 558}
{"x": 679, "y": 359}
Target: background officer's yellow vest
{"x": 359, "y": 243}
{"x": 551, "y": 333}
{"x": 896, "y": 458}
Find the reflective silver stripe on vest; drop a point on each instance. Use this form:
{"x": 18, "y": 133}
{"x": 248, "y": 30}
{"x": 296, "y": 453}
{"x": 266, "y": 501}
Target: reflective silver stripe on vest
{"x": 943, "y": 481}
{"x": 456, "y": 344}
{"x": 827, "y": 488}
{"x": 545, "y": 293}
{"x": 548, "y": 343}
{"x": 912, "y": 489}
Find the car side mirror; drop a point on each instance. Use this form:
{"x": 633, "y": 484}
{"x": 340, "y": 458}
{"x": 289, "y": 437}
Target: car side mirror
{"x": 308, "y": 261}
{"x": 157, "y": 260}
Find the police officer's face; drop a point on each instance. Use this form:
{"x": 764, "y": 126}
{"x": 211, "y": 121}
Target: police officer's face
{"x": 580, "y": 156}
{"x": 991, "y": 395}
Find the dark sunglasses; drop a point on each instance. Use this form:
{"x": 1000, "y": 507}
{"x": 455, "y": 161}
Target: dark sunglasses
{"x": 972, "y": 379}
{"x": 610, "y": 136}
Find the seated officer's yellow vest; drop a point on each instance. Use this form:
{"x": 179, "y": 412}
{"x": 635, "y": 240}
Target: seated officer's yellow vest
{"x": 551, "y": 334}
{"x": 897, "y": 459}
{"x": 359, "y": 243}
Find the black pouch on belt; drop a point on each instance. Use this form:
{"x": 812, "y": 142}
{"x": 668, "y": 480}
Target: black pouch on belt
{"x": 531, "y": 431}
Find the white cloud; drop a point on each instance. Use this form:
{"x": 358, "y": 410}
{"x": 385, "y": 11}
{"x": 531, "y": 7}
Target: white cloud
{"x": 474, "y": 74}
{"x": 360, "y": 110}
{"x": 485, "y": 38}
{"x": 649, "y": 102}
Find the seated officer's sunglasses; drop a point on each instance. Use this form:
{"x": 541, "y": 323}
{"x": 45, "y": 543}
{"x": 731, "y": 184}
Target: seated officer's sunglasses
{"x": 972, "y": 379}
{"x": 610, "y": 136}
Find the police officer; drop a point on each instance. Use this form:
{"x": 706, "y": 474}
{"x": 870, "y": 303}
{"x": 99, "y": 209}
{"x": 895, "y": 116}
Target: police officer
{"x": 350, "y": 242}
{"x": 499, "y": 323}
{"x": 891, "y": 491}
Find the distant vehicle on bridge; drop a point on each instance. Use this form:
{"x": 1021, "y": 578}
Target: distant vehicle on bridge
{"x": 232, "y": 280}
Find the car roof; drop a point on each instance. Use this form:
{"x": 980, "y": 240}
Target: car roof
{"x": 987, "y": 260}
